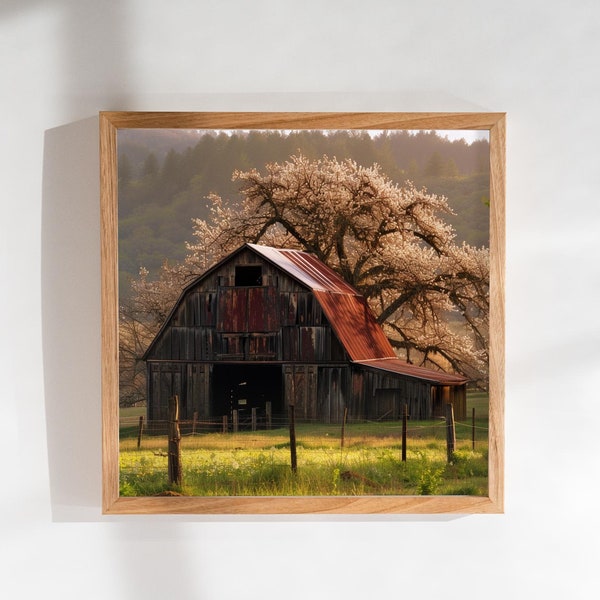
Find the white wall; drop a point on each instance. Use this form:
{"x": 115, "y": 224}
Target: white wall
{"x": 64, "y": 60}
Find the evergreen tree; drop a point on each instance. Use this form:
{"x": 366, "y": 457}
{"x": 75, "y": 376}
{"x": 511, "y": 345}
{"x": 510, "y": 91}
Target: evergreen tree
{"x": 151, "y": 166}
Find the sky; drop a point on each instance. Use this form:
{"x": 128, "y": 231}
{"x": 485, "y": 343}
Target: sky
{"x": 469, "y": 135}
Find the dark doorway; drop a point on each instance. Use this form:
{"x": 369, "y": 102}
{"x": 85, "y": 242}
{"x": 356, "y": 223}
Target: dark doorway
{"x": 244, "y": 387}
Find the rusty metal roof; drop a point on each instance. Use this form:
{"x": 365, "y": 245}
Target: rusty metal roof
{"x": 355, "y": 326}
{"x": 396, "y": 365}
{"x": 345, "y": 308}
{"x": 349, "y": 315}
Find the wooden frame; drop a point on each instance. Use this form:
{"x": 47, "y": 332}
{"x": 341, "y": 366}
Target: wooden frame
{"x": 112, "y": 503}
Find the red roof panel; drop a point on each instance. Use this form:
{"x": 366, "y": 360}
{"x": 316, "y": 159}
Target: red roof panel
{"x": 355, "y": 326}
{"x": 345, "y": 308}
{"x": 396, "y": 365}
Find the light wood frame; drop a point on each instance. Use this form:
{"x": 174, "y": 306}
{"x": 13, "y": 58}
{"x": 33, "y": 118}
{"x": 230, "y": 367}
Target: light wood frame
{"x": 112, "y": 503}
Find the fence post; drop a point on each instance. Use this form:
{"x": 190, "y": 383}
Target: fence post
{"x": 225, "y": 424}
{"x": 194, "y": 422}
{"x": 269, "y": 414}
{"x": 293, "y": 438}
{"x": 450, "y": 431}
{"x": 404, "y": 420}
{"x": 254, "y": 419}
{"x": 235, "y": 421}
{"x": 140, "y": 428}
{"x": 344, "y": 426}
{"x": 174, "y": 467}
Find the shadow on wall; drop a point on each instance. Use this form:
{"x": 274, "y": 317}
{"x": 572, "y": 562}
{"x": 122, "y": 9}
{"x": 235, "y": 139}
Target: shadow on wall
{"x": 71, "y": 318}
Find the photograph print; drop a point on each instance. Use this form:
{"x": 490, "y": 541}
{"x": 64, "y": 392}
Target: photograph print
{"x": 303, "y": 312}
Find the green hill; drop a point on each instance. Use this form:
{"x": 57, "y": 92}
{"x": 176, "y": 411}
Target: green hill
{"x": 166, "y": 175}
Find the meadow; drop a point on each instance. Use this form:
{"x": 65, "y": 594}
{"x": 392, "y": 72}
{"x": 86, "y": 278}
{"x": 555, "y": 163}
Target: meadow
{"x": 369, "y": 462}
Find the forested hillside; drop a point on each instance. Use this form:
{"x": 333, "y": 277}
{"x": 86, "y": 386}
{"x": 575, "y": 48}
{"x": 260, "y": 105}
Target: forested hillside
{"x": 166, "y": 175}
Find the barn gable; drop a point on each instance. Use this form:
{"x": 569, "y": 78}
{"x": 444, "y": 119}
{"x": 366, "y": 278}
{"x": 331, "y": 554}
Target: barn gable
{"x": 283, "y": 318}
{"x": 246, "y": 308}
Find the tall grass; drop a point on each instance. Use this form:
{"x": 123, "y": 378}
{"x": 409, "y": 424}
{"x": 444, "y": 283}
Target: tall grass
{"x": 259, "y": 465}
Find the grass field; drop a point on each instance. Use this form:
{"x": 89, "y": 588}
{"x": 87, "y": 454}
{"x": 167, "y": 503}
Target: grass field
{"x": 258, "y": 463}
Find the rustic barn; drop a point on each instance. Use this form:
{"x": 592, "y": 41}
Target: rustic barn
{"x": 274, "y": 327}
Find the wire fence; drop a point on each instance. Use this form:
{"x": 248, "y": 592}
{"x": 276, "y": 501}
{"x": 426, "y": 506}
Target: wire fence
{"x": 282, "y": 455}
{"x": 235, "y": 432}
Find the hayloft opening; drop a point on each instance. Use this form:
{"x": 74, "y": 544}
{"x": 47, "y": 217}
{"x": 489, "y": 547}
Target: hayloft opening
{"x": 248, "y": 275}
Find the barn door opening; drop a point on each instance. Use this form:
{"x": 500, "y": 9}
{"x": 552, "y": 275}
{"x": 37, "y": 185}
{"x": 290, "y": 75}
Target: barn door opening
{"x": 244, "y": 387}
{"x": 441, "y": 397}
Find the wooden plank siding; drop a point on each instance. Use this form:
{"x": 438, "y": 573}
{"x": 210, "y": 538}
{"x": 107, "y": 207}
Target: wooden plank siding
{"x": 221, "y": 322}
{"x": 333, "y": 393}
{"x": 380, "y": 395}
{"x": 318, "y": 392}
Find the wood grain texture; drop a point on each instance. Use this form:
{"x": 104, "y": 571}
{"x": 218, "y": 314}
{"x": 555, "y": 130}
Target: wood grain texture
{"x": 304, "y": 505}
{"x": 109, "y": 302}
{"x": 110, "y": 122}
{"x": 497, "y": 286}
{"x": 307, "y": 120}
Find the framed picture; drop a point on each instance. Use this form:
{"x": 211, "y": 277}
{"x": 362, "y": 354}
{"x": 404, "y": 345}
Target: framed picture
{"x": 302, "y": 312}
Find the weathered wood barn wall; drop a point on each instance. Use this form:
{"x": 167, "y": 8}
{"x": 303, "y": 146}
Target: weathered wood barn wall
{"x": 278, "y": 326}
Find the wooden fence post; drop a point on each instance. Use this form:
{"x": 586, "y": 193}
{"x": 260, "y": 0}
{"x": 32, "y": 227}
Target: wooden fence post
{"x": 140, "y": 428}
{"x": 194, "y": 422}
{"x": 344, "y": 425}
{"x": 174, "y": 467}
{"x": 293, "y": 457}
{"x": 404, "y": 420}
{"x": 269, "y": 415}
{"x": 450, "y": 431}
{"x": 225, "y": 424}
{"x": 235, "y": 421}
{"x": 254, "y": 419}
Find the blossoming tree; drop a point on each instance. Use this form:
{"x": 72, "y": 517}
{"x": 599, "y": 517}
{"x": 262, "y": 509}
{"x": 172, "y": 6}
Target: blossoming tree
{"x": 390, "y": 242}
